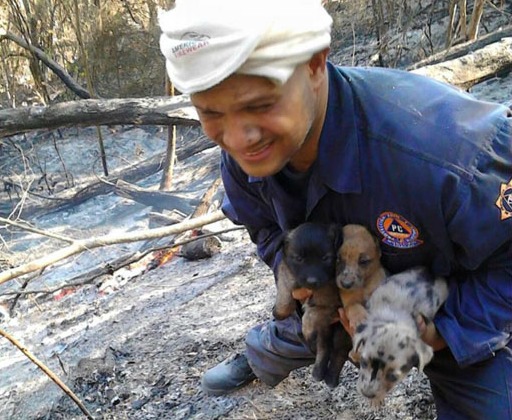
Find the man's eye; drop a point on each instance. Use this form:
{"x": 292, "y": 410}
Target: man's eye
{"x": 209, "y": 114}
{"x": 259, "y": 107}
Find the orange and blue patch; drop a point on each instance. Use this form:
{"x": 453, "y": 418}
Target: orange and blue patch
{"x": 397, "y": 231}
{"x": 504, "y": 201}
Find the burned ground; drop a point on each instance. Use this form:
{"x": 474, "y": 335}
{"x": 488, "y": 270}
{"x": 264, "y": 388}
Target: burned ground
{"x": 134, "y": 344}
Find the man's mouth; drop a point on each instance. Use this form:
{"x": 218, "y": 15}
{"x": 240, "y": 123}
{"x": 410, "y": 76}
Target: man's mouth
{"x": 258, "y": 154}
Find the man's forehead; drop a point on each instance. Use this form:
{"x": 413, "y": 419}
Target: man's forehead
{"x": 239, "y": 89}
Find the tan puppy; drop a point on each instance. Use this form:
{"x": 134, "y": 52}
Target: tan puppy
{"x": 358, "y": 271}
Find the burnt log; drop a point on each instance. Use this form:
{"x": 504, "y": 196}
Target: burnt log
{"x": 469, "y": 70}
{"x": 201, "y": 248}
{"x": 163, "y": 110}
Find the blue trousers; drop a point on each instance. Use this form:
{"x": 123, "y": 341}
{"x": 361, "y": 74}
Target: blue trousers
{"x": 480, "y": 391}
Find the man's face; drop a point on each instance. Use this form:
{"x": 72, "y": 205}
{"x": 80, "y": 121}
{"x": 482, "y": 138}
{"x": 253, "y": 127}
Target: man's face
{"x": 261, "y": 125}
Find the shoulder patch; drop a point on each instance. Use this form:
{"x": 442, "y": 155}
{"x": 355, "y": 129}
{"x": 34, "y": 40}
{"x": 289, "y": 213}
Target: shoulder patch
{"x": 504, "y": 201}
{"x": 397, "y": 231}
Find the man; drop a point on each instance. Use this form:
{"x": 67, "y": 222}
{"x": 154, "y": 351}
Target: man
{"x": 427, "y": 168}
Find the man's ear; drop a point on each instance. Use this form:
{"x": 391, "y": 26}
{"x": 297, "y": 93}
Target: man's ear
{"x": 317, "y": 64}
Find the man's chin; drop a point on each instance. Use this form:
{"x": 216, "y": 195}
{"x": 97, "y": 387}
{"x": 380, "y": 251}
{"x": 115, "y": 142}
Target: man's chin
{"x": 261, "y": 171}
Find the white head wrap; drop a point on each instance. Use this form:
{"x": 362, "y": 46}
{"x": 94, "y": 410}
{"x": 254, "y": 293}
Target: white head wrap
{"x": 205, "y": 41}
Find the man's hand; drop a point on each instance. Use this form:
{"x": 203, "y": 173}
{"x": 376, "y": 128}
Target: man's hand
{"x": 429, "y": 334}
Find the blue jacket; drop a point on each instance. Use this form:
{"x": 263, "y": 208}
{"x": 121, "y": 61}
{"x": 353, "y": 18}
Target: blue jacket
{"x": 429, "y": 170}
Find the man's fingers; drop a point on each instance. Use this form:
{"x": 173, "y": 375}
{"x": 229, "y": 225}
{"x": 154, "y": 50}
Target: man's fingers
{"x": 421, "y": 324}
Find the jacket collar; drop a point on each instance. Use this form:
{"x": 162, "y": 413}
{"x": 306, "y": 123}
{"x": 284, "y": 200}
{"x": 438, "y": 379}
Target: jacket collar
{"x": 338, "y": 161}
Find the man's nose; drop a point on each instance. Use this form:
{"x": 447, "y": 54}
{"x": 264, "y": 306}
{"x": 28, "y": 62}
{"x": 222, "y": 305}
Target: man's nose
{"x": 240, "y": 134}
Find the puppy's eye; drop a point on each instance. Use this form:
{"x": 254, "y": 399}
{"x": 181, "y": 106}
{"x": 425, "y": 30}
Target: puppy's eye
{"x": 363, "y": 363}
{"x": 327, "y": 258}
{"x": 298, "y": 258}
{"x": 364, "y": 261}
{"x": 391, "y": 377}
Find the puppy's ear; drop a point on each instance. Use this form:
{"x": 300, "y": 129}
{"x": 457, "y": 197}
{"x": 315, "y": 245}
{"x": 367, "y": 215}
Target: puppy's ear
{"x": 336, "y": 234}
{"x": 377, "y": 245}
{"x": 422, "y": 356}
{"x": 285, "y": 241}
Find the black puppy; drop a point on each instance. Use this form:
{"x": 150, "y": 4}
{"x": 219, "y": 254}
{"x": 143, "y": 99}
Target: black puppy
{"x": 309, "y": 259}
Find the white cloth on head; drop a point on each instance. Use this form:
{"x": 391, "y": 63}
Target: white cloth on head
{"x": 205, "y": 41}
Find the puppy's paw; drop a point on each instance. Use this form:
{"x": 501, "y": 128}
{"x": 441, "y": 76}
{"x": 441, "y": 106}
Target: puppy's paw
{"x": 354, "y": 356}
{"x": 280, "y": 314}
{"x": 332, "y": 379}
{"x": 302, "y": 293}
{"x": 318, "y": 372}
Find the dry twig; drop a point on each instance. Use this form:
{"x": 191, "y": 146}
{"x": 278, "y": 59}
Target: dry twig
{"x": 48, "y": 372}
{"x": 79, "y": 246}
{"x": 113, "y": 266}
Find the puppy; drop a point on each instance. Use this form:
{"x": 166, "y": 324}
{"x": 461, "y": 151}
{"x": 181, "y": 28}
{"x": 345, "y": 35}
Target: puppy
{"x": 358, "y": 271}
{"x": 387, "y": 344}
{"x": 309, "y": 253}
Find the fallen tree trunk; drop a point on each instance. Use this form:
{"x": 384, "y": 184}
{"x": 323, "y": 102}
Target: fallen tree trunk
{"x": 471, "y": 69}
{"x": 463, "y": 49}
{"x": 139, "y": 111}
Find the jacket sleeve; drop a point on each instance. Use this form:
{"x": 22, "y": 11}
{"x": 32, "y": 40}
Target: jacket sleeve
{"x": 244, "y": 204}
{"x": 476, "y": 319}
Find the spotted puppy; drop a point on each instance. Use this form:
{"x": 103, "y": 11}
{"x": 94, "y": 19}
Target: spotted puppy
{"x": 388, "y": 344}
{"x": 309, "y": 253}
{"x": 358, "y": 271}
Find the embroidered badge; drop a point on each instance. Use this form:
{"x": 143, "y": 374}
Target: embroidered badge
{"x": 397, "y": 231}
{"x": 504, "y": 201}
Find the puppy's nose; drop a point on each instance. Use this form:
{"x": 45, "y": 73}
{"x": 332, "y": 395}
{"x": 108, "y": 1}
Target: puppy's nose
{"x": 312, "y": 281}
